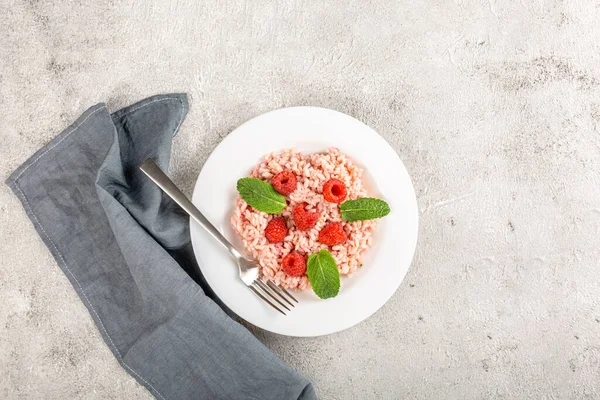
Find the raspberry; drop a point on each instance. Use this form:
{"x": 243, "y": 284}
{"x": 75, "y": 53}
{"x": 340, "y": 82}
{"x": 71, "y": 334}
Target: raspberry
{"x": 333, "y": 234}
{"x": 334, "y": 191}
{"x": 276, "y": 230}
{"x": 294, "y": 264}
{"x": 285, "y": 182}
{"x": 304, "y": 219}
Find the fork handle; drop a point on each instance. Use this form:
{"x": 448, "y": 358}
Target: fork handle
{"x": 154, "y": 172}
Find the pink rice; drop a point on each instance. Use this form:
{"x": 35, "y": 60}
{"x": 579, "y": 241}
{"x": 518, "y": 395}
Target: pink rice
{"x": 312, "y": 172}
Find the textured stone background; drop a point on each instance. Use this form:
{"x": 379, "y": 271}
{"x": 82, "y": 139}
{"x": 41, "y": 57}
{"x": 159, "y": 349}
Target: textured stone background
{"x": 493, "y": 106}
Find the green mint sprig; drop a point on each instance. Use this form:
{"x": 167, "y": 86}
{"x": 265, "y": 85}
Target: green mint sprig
{"x": 261, "y": 195}
{"x": 323, "y": 274}
{"x": 363, "y": 209}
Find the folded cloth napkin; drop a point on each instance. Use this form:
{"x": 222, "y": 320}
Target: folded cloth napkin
{"x": 125, "y": 247}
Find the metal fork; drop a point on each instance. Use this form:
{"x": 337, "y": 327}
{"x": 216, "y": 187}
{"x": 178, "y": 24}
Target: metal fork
{"x": 272, "y": 294}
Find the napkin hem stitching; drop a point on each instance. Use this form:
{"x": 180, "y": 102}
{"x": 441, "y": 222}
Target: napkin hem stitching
{"x": 57, "y": 143}
{"x": 181, "y": 114}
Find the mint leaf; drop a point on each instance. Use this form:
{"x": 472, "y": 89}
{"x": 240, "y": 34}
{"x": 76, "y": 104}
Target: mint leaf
{"x": 362, "y": 209}
{"x": 323, "y": 274}
{"x": 261, "y": 195}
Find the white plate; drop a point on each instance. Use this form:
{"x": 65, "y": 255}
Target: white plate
{"x": 308, "y": 129}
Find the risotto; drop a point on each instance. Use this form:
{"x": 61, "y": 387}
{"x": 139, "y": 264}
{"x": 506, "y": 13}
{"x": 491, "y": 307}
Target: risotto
{"x": 312, "y": 172}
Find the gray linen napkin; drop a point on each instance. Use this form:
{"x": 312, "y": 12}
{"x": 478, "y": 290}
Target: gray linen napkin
{"x": 125, "y": 247}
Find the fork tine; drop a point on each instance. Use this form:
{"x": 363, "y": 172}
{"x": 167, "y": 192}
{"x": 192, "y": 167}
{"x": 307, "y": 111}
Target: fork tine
{"x": 280, "y": 291}
{"x": 256, "y": 292}
{"x": 276, "y": 287}
{"x": 269, "y": 292}
{"x": 274, "y": 294}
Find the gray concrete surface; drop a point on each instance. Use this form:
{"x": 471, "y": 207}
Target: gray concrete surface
{"x": 493, "y": 106}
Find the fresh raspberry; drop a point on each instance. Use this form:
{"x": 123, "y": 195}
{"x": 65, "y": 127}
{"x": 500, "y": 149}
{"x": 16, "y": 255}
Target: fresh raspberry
{"x": 334, "y": 191}
{"x": 303, "y": 218}
{"x": 333, "y": 234}
{"x": 276, "y": 230}
{"x": 285, "y": 182}
{"x": 294, "y": 264}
